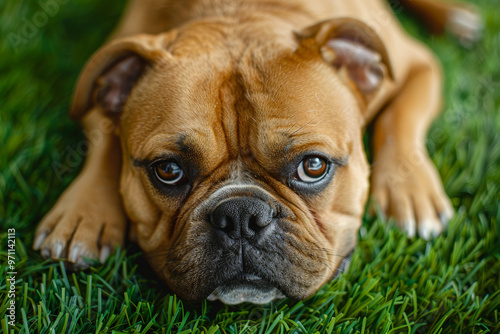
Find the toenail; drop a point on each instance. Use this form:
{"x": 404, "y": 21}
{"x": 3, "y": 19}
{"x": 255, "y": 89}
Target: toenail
{"x": 74, "y": 254}
{"x": 45, "y": 253}
{"x": 424, "y": 232}
{"x": 39, "y": 240}
{"x": 105, "y": 251}
{"x": 57, "y": 250}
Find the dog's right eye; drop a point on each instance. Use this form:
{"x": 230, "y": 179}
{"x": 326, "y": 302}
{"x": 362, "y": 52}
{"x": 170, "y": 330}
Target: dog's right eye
{"x": 169, "y": 172}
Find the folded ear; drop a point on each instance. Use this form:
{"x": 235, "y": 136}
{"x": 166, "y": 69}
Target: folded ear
{"x": 350, "y": 45}
{"x": 111, "y": 73}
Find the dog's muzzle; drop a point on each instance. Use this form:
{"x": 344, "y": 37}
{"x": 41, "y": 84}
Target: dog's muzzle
{"x": 245, "y": 224}
{"x": 251, "y": 219}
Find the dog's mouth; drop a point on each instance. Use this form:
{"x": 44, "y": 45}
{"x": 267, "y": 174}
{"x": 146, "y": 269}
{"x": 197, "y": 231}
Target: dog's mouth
{"x": 256, "y": 290}
{"x": 248, "y": 288}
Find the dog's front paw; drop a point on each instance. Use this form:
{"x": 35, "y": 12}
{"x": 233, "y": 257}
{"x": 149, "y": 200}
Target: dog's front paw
{"x": 409, "y": 189}
{"x": 87, "y": 222}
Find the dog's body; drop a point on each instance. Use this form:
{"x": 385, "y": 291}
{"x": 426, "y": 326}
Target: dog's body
{"x": 231, "y": 137}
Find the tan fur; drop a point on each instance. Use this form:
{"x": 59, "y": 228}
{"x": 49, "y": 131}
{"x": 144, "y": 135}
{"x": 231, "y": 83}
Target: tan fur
{"x": 238, "y": 79}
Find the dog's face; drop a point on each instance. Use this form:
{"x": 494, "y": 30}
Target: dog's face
{"x": 244, "y": 177}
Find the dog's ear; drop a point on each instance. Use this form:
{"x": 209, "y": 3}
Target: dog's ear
{"x": 353, "y": 48}
{"x": 111, "y": 73}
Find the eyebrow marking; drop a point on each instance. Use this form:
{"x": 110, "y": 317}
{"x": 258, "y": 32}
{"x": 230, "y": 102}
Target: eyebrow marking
{"x": 183, "y": 144}
{"x": 179, "y": 145}
{"x": 291, "y": 142}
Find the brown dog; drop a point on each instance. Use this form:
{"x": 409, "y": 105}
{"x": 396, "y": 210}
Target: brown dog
{"x": 229, "y": 134}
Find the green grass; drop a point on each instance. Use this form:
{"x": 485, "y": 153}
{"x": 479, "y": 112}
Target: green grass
{"x": 394, "y": 285}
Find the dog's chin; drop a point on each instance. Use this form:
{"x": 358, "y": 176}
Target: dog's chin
{"x": 250, "y": 288}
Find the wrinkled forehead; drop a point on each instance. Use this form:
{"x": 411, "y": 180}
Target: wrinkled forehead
{"x": 300, "y": 102}
{"x": 173, "y": 100}
{"x": 223, "y": 107}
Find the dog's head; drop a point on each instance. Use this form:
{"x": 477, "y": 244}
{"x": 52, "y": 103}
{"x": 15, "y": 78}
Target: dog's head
{"x": 244, "y": 174}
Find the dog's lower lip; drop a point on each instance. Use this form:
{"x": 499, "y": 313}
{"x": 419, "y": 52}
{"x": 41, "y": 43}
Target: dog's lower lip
{"x": 246, "y": 288}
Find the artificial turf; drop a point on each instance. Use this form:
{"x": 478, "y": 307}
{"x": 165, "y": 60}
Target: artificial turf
{"x": 393, "y": 285}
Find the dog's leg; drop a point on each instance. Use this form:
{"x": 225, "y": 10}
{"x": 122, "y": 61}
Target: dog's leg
{"x": 460, "y": 19}
{"x": 88, "y": 220}
{"x": 405, "y": 182}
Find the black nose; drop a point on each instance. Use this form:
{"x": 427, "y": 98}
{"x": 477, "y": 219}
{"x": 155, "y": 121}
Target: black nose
{"x": 242, "y": 217}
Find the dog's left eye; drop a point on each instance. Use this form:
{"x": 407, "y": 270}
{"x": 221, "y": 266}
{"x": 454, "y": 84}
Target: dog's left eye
{"x": 169, "y": 172}
{"x": 311, "y": 169}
